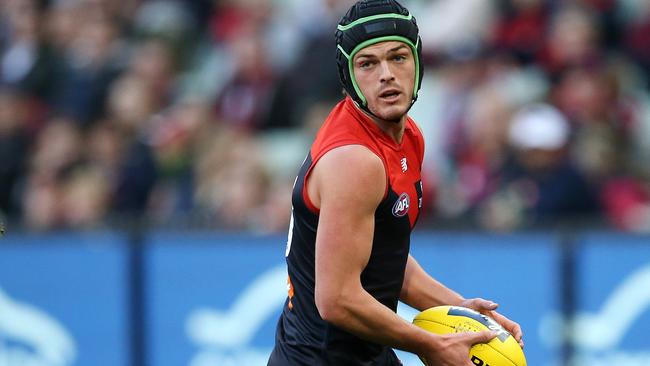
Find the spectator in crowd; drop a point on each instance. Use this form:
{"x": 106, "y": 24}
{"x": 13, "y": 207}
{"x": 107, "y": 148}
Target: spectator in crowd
{"x": 57, "y": 151}
{"x": 572, "y": 41}
{"x": 178, "y": 134}
{"x": 13, "y": 150}
{"x": 90, "y": 65}
{"x": 83, "y": 198}
{"x": 539, "y": 184}
{"x": 27, "y": 61}
{"x": 521, "y": 28}
{"x": 244, "y": 99}
{"x": 130, "y": 108}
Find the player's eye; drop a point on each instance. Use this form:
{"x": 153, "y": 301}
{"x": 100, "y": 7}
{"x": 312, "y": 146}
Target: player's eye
{"x": 365, "y": 64}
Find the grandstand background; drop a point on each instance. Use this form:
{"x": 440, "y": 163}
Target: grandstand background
{"x": 148, "y": 148}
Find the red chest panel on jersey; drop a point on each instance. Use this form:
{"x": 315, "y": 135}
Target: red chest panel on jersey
{"x": 347, "y": 125}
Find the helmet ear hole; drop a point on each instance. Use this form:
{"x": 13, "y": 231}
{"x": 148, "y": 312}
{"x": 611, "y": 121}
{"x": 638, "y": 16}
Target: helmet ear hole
{"x": 373, "y": 21}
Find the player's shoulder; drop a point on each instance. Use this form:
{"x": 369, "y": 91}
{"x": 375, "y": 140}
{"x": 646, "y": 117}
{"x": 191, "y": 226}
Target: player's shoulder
{"x": 351, "y": 168}
{"x": 352, "y": 159}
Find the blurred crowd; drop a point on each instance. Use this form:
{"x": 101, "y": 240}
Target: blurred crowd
{"x": 536, "y": 112}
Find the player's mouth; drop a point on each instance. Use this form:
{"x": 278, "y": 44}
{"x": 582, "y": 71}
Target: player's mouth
{"x": 390, "y": 95}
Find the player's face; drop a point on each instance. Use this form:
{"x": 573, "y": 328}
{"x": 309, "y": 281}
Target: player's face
{"x": 385, "y": 73}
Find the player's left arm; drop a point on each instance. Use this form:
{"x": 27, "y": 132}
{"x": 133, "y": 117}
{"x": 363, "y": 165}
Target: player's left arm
{"x": 422, "y": 291}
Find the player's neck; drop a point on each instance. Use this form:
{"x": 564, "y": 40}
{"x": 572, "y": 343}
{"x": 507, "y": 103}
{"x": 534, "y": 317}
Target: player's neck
{"x": 393, "y": 129}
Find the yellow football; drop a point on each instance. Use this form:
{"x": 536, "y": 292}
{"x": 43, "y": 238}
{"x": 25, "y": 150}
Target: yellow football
{"x": 503, "y": 350}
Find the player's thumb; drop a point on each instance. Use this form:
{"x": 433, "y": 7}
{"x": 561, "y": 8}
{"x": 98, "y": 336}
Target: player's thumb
{"x": 482, "y": 337}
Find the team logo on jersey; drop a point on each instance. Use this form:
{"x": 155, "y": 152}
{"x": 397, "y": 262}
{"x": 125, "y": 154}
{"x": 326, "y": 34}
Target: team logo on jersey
{"x": 405, "y": 166}
{"x": 401, "y": 206}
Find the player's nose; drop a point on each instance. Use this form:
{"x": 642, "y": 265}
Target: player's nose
{"x": 386, "y": 72}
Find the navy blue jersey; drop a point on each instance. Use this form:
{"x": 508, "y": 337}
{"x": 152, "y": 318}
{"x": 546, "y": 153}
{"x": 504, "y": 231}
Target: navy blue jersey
{"x": 303, "y": 337}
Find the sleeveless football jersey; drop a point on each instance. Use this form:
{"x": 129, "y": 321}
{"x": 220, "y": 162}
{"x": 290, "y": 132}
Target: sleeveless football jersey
{"x": 302, "y": 337}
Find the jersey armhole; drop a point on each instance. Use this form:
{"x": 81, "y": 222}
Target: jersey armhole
{"x": 305, "y": 194}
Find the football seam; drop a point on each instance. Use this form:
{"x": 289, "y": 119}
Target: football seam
{"x": 501, "y": 353}
{"x": 451, "y": 326}
{"x": 437, "y": 322}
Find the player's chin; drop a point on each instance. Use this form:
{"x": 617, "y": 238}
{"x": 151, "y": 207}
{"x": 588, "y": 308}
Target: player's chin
{"x": 393, "y": 115}
{"x": 391, "y": 112}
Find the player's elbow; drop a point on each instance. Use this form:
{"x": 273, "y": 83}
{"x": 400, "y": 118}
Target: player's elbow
{"x": 330, "y": 307}
{"x": 327, "y": 307}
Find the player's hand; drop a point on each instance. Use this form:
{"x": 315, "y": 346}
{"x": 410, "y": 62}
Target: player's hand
{"x": 453, "y": 349}
{"x": 489, "y": 308}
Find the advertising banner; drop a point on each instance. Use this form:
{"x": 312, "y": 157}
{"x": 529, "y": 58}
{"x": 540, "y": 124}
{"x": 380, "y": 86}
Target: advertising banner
{"x": 63, "y": 300}
{"x": 215, "y": 300}
{"x": 612, "y": 319}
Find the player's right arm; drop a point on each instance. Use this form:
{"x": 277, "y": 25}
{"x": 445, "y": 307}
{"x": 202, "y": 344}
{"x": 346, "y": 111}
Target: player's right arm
{"x": 347, "y": 184}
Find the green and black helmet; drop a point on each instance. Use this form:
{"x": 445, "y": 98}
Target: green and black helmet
{"x": 369, "y": 22}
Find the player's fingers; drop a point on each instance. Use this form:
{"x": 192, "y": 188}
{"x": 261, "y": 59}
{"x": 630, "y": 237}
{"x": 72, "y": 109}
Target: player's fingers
{"x": 480, "y": 304}
{"x": 516, "y": 331}
{"x": 481, "y": 337}
{"x": 489, "y": 305}
{"x": 508, "y": 324}
{"x": 513, "y": 327}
